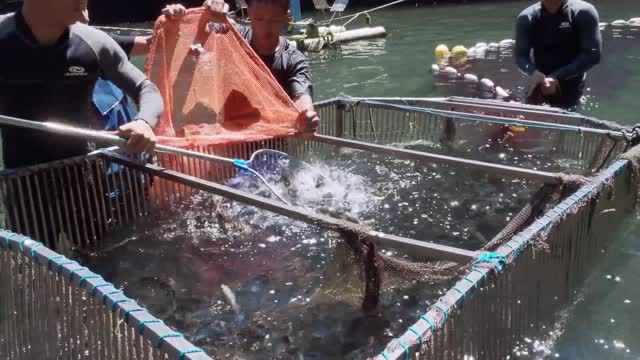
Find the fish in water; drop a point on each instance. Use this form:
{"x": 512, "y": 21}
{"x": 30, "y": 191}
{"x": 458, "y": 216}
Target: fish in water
{"x": 230, "y": 297}
{"x": 338, "y": 214}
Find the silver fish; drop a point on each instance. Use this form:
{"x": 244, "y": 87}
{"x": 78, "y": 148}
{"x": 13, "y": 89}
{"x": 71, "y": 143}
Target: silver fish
{"x": 230, "y": 297}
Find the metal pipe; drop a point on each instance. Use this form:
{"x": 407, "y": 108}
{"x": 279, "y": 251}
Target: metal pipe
{"x": 414, "y": 247}
{"x": 545, "y": 177}
{"x": 101, "y": 137}
{"x": 457, "y": 115}
{"x": 356, "y": 15}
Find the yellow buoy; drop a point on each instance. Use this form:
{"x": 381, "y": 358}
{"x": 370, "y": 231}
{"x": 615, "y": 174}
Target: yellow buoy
{"x": 442, "y": 53}
{"x": 459, "y": 55}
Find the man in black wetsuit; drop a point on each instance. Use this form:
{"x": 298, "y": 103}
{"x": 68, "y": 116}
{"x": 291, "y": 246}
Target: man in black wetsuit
{"x": 288, "y": 65}
{"x": 48, "y": 70}
{"x": 557, "y": 42}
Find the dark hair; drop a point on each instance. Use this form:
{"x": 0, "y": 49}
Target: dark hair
{"x": 283, "y": 3}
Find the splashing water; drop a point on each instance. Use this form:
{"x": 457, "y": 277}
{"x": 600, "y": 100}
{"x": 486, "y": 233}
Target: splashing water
{"x": 242, "y": 282}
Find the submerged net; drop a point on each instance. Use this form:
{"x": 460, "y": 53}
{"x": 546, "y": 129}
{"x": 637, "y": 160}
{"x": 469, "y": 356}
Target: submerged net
{"x": 216, "y": 90}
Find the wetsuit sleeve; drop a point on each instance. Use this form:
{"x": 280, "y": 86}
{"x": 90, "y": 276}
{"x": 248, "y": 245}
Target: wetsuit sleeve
{"x": 118, "y": 69}
{"x": 523, "y": 43}
{"x": 299, "y": 76}
{"x": 588, "y": 24}
{"x": 125, "y": 42}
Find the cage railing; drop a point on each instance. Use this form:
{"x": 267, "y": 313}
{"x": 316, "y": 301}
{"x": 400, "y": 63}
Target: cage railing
{"x": 53, "y": 308}
{"x": 441, "y": 123}
{"x": 111, "y": 191}
{"x": 492, "y": 310}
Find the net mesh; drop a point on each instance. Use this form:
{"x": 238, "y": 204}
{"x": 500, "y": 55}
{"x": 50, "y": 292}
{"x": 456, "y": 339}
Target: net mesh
{"x": 216, "y": 90}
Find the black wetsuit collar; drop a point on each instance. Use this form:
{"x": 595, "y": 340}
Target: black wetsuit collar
{"x": 25, "y": 32}
{"x": 562, "y": 6}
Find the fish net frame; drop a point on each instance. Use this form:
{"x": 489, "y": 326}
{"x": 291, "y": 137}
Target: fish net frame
{"x": 506, "y": 306}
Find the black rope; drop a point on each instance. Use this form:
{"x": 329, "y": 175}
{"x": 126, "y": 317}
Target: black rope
{"x": 631, "y": 135}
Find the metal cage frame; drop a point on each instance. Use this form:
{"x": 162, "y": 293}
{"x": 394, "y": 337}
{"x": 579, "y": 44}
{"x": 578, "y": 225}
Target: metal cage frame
{"x": 357, "y": 123}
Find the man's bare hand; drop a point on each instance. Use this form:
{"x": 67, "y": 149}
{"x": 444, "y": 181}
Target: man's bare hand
{"x": 140, "y": 136}
{"x": 537, "y": 79}
{"x": 218, "y": 10}
{"x": 309, "y": 122}
{"x": 550, "y": 86}
{"x": 174, "y": 11}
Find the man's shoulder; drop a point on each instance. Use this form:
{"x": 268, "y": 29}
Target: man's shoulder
{"x": 291, "y": 52}
{"x": 532, "y": 10}
{"x": 7, "y": 24}
{"x": 96, "y": 39}
{"x": 580, "y": 6}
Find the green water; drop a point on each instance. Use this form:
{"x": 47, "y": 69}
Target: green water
{"x": 606, "y": 320}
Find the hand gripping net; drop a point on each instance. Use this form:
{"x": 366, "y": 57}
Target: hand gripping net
{"x": 216, "y": 90}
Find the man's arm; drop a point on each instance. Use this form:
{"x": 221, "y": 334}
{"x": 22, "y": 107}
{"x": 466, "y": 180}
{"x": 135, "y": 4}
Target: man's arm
{"x": 588, "y": 24}
{"x": 523, "y": 44}
{"x": 115, "y": 67}
{"x": 301, "y": 90}
{"x": 119, "y": 70}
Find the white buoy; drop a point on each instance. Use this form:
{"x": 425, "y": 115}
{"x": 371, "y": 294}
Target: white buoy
{"x": 359, "y": 34}
{"x": 487, "y": 85}
{"x": 481, "y": 44}
{"x": 501, "y": 93}
{"x": 450, "y": 72}
{"x": 634, "y": 22}
{"x": 333, "y": 29}
{"x": 481, "y": 52}
{"x": 493, "y": 47}
{"x": 347, "y": 36}
{"x": 507, "y": 43}
{"x": 435, "y": 69}
{"x": 619, "y": 23}
{"x": 470, "y": 78}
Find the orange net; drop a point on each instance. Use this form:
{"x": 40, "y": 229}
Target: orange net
{"x": 216, "y": 90}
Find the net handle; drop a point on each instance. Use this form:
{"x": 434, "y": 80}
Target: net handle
{"x": 103, "y": 137}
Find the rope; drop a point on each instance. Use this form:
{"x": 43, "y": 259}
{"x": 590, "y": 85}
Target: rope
{"x": 191, "y": 351}
{"x": 420, "y": 337}
{"x": 405, "y": 347}
{"x": 87, "y": 277}
{"x": 97, "y": 286}
{"x": 144, "y": 323}
{"x": 483, "y": 275}
{"x": 33, "y": 252}
{"x": 443, "y": 310}
{"x": 52, "y": 259}
{"x": 170, "y": 335}
{"x": 72, "y": 272}
{"x": 127, "y": 312}
{"x": 473, "y": 283}
{"x": 108, "y": 293}
{"x": 354, "y": 16}
{"x": 464, "y": 295}
{"x": 21, "y": 243}
{"x": 9, "y": 237}
{"x": 432, "y": 326}
{"x": 65, "y": 263}
{"x": 495, "y": 259}
{"x": 120, "y": 301}
{"x": 632, "y": 135}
